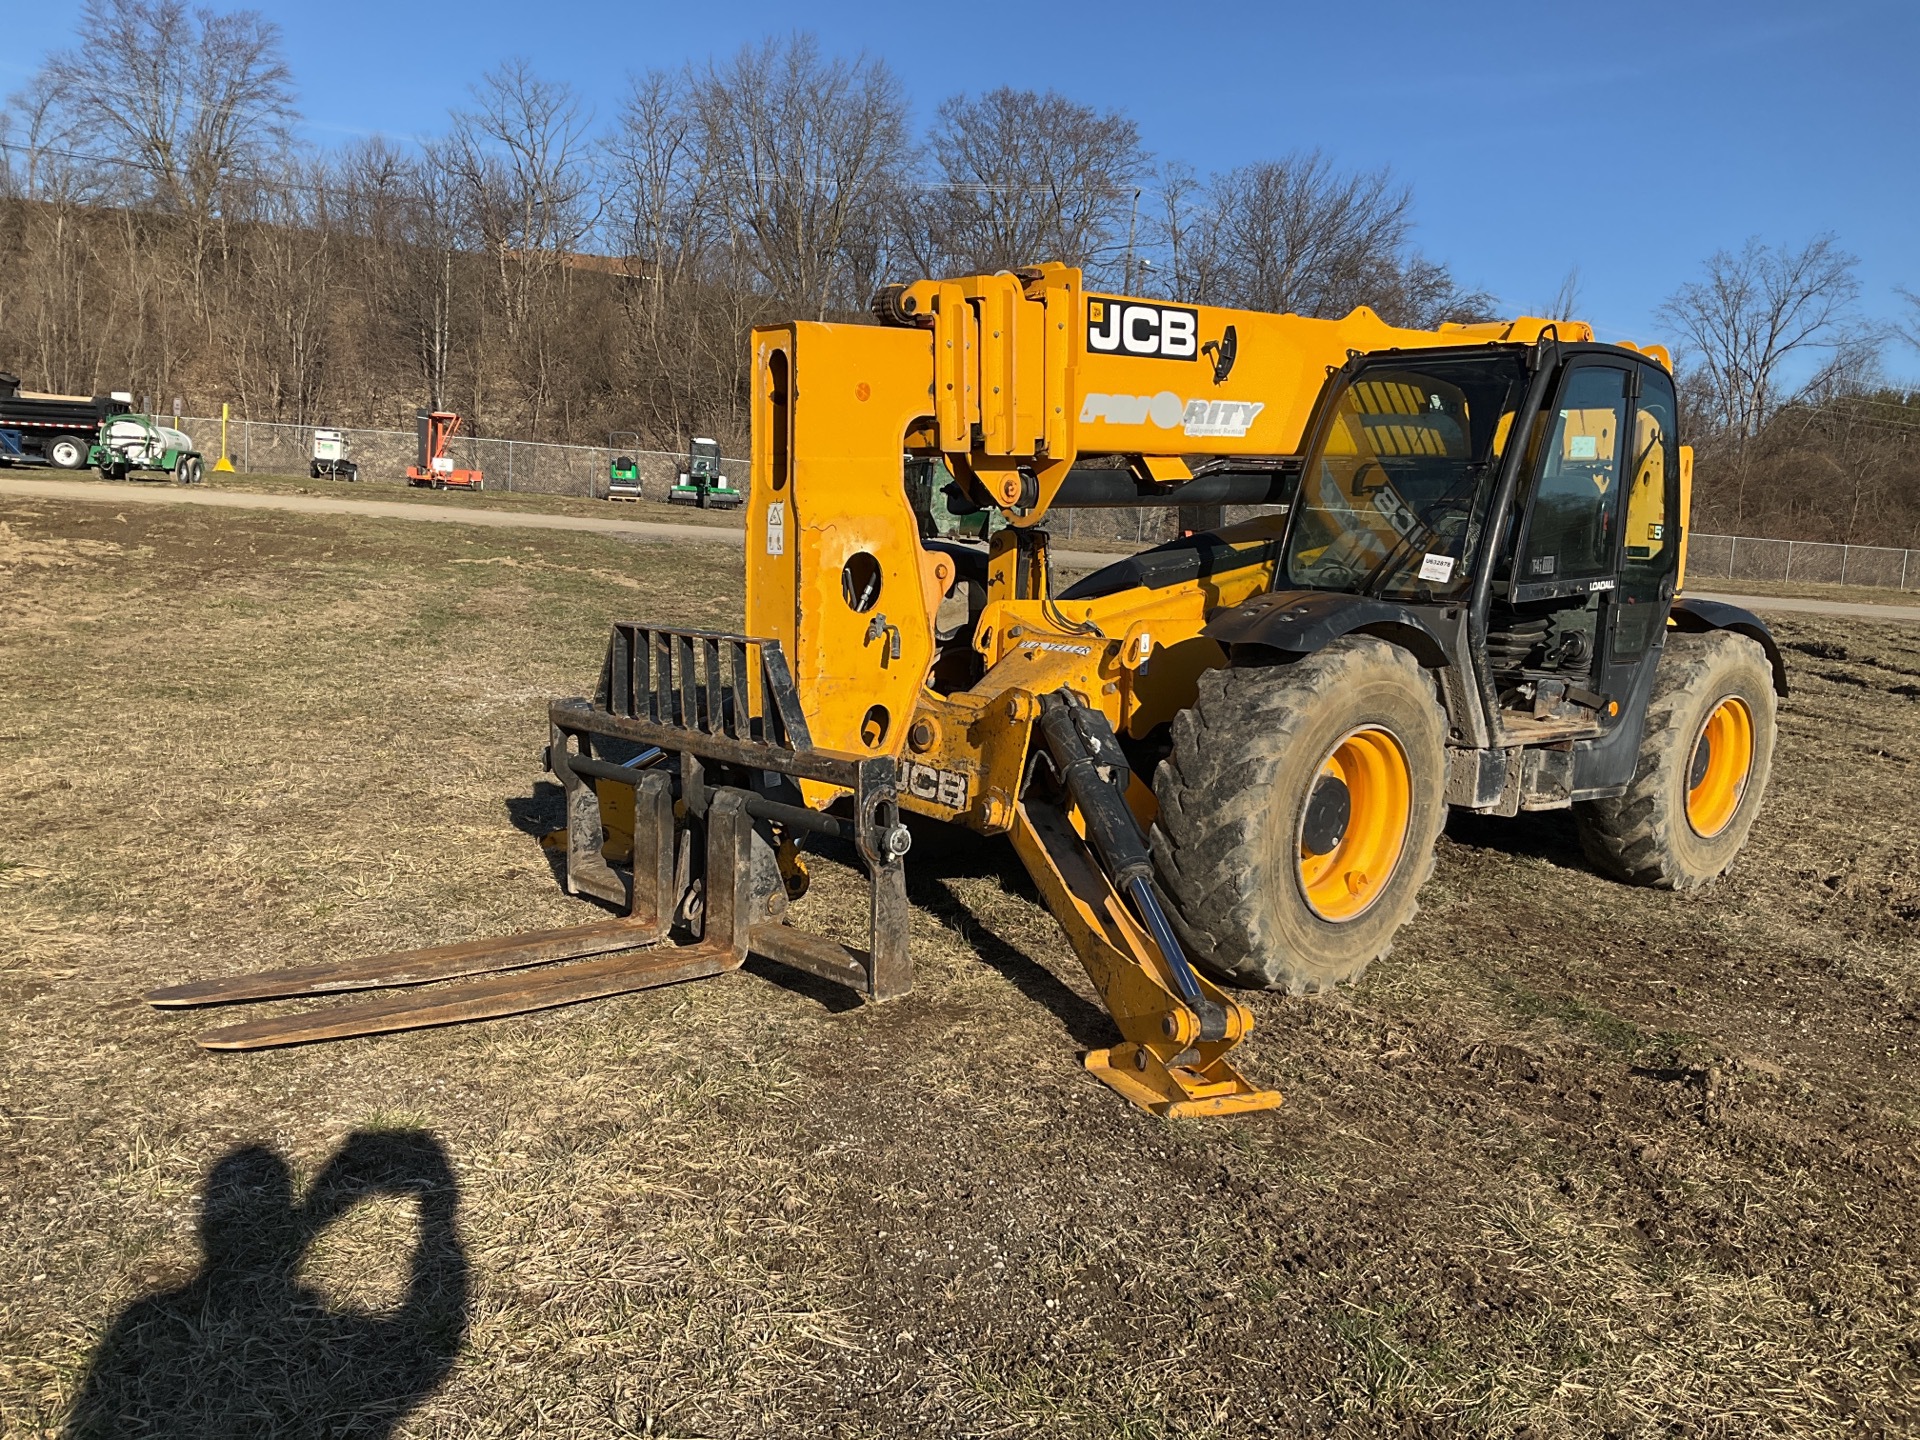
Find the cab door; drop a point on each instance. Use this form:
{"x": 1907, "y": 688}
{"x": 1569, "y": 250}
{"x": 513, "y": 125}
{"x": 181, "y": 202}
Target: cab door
{"x": 1650, "y": 520}
{"x": 1600, "y": 538}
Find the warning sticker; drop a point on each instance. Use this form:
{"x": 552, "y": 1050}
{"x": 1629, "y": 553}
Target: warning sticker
{"x": 1438, "y": 568}
{"x": 777, "y": 528}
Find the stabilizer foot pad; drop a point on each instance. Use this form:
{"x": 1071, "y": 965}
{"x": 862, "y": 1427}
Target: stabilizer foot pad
{"x": 1178, "y": 1092}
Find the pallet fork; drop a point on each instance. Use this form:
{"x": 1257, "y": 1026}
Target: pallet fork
{"x": 720, "y": 738}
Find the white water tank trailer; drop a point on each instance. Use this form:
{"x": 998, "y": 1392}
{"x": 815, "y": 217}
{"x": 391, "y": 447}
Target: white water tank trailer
{"x": 142, "y": 442}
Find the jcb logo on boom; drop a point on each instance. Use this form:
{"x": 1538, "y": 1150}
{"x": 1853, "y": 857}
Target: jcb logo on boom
{"x": 1122, "y": 327}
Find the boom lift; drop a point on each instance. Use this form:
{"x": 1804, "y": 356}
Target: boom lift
{"x": 435, "y": 469}
{"x": 1224, "y": 759}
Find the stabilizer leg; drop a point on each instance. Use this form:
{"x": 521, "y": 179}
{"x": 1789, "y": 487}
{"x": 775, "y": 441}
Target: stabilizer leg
{"x": 1083, "y": 850}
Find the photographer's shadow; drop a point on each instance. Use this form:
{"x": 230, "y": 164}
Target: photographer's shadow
{"x": 245, "y": 1349}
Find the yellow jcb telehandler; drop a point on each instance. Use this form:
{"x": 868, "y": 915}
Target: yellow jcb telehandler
{"x": 1225, "y": 759}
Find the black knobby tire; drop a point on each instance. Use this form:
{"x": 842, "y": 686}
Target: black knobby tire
{"x": 1234, "y": 799}
{"x": 67, "y": 452}
{"x": 1645, "y": 836}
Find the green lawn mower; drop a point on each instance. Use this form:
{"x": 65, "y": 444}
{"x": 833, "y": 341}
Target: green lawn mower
{"x": 623, "y": 471}
{"x": 703, "y": 483}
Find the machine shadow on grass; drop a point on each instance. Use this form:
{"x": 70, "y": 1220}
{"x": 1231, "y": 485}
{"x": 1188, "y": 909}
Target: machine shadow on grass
{"x": 1536, "y": 835}
{"x": 941, "y": 853}
{"x": 944, "y": 853}
{"x": 540, "y": 813}
{"x": 244, "y": 1348}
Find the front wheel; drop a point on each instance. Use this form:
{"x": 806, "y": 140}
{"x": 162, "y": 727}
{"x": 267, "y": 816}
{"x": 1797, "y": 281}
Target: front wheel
{"x": 67, "y": 452}
{"x": 1298, "y": 814}
{"x": 1705, "y": 756}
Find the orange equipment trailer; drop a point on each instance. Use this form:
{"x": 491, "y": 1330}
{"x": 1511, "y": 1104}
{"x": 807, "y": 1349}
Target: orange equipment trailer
{"x": 435, "y": 468}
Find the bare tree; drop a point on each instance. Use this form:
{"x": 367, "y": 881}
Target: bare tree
{"x": 1180, "y": 230}
{"x": 523, "y": 155}
{"x": 1297, "y": 235}
{"x": 808, "y": 155}
{"x": 1753, "y": 312}
{"x": 197, "y": 103}
{"x": 527, "y": 168}
{"x": 290, "y": 282}
{"x": 1025, "y": 177}
{"x": 1565, "y": 304}
{"x": 401, "y": 213}
{"x": 661, "y": 189}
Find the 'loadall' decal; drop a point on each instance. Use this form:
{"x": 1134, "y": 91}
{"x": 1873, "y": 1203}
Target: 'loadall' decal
{"x": 1200, "y": 418}
{"x": 1126, "y": 327}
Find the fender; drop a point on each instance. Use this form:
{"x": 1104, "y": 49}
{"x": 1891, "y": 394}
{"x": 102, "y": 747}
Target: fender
{"x": 1696, "y": 616}
{"x": 1299, "y": 622}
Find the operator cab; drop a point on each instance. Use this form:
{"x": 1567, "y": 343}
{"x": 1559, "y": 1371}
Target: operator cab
{"x": 1529, "y": 492}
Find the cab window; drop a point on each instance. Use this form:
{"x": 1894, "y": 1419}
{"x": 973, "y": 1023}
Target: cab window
{"x": 1650, "y": 536}
{"x": 1570, "y": 532}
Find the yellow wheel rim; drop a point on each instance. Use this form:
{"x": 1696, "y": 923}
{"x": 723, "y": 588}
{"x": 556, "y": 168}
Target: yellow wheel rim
{"x": 1354, "y": 824}
{"x": 1717, "y": 771}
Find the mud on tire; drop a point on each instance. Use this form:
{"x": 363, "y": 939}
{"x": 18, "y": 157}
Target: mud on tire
{"x": 1649, "y": 835}
{"x": 1249, "y": 763}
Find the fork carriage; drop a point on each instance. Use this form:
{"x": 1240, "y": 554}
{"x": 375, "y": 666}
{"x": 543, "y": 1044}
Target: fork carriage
{"x": 717, "y": 728}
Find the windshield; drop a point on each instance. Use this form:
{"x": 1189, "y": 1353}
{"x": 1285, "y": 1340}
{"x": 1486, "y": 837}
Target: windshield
{"x": 1394, "y": 501}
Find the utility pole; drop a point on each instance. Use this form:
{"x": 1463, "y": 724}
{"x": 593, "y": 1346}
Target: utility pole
{"x": 1133, "y": 220}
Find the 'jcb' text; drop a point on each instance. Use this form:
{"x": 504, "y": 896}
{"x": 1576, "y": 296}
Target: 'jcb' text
{"x": 1120, "y": 327}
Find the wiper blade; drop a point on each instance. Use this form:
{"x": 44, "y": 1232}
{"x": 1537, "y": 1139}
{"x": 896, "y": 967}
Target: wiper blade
{"x": 1401, "y": 546}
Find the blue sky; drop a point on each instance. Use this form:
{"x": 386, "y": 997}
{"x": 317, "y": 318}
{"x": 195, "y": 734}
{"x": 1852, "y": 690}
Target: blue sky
{"x": 1629, "y": 139}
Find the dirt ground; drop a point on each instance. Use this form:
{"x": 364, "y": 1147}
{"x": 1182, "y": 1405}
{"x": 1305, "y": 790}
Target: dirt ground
{"x": 1575, "y": 1160}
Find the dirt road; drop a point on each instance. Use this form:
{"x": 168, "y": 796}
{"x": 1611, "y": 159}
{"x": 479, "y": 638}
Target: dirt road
{"x": 123, "y": 494}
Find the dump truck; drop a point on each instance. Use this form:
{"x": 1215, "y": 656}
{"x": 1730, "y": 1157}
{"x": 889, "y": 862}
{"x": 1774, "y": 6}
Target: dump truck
{"x": 56, "y": 430}
{"x": 703, "y": 482}
{"x": 1224, "y": 760}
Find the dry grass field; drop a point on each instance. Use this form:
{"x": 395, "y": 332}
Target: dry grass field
{"x": 1575, "y": 1160}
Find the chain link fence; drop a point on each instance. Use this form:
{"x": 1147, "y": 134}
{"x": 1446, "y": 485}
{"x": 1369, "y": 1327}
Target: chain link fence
{"x": 1814, "y": 562}
{"x": 526, "y": 466}
{"x": 534, "y": 467}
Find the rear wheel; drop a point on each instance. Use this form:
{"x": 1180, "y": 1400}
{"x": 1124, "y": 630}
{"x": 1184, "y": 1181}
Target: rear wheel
{"x": 1705, "y": 757}
{"x": 189, "y": 470}
{"x": 68, "y": 452}
{"x": 1298, "y": 814}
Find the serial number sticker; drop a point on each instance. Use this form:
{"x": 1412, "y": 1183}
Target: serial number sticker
{"x": 1438, "y": 568}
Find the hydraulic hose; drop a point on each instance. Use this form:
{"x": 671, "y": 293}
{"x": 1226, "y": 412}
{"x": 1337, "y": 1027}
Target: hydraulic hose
{"x": 1083, "y": 745}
